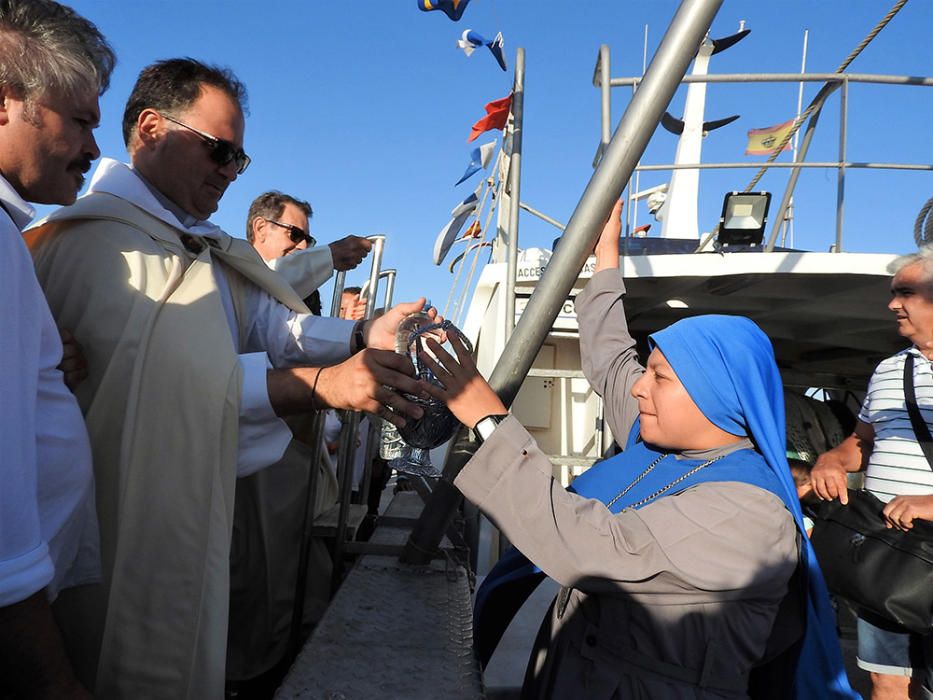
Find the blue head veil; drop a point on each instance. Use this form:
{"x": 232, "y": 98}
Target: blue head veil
{"x": 727, "y": 365}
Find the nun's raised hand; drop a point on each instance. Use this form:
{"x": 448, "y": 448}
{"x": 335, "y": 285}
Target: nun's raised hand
{"x": 465, "y": 392}
{"x": 607, "y": 245}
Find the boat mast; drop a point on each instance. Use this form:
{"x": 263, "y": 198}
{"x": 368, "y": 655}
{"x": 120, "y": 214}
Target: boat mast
{"x": 678, "y": 47}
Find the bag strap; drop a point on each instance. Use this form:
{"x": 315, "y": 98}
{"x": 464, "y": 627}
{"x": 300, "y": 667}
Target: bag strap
{"x": 921, "y": 430}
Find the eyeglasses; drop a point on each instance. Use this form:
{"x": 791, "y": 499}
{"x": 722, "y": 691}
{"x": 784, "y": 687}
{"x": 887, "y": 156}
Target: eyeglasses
{"x": 221, "y": 152}
{"x": 295, "y": 233}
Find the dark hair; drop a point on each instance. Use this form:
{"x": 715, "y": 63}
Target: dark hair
{"x": 174, "y": 85}
{"x": 800, "y": 470}
{"x": 49, "y": 48}
{"x": 270, "y": 205}
{"x": 352, "y": 290}
{"x": 313, "y": 302}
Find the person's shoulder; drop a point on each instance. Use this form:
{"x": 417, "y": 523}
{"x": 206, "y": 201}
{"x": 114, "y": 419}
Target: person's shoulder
{"x": 895, "y": 361}
{"x": 85, "y": 231}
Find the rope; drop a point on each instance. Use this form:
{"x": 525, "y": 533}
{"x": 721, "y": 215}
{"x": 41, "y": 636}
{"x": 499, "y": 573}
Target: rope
{"x": 824, "y": 92}
{"x": 473, "y": 218}
{"x": 460, "y": 307}
{"x": 923, "y": 233}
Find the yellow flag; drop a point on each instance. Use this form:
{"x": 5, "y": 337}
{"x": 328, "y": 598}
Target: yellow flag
{"x": 763, "y": 142}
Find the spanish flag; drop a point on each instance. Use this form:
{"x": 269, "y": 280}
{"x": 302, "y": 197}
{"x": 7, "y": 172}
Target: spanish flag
{"x": 763, "y": 142}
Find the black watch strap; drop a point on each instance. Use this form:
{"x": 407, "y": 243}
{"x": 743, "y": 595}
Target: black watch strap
{"x": 358, "y": 339}
{"x": 486, "y": 425}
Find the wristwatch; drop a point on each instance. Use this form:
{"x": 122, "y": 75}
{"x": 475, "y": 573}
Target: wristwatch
{"x": 485, "y": 426}
{"x": 358, "y": 340}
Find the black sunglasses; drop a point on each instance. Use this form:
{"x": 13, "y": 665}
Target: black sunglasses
{"x": 295, "y": 233}
{"x": 221, "y": 151}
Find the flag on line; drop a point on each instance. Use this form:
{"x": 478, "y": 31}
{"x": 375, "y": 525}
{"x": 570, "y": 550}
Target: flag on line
{"x": 469, "y": 41}
{"x": 449, "y": 233}
{"x": 497, "y": 114}
{"x": 452, "y": 8}
{"x": 763, "y": 142}
{"x": 479, "y": 160}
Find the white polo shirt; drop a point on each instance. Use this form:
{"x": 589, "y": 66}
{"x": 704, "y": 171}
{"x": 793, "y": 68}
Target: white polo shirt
{"x": 48, "y": 525}
{"x": 897, "y": 466}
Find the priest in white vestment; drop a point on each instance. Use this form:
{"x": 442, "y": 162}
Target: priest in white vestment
{"x": 195, "y": 351}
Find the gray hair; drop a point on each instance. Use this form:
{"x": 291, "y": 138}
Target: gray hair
{"x": 923, "y": 255}
{"x": 47, "y": 48}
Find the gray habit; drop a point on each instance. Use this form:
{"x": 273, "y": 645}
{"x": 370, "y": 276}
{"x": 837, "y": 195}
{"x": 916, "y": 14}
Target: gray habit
{"x": 688, "y": 585}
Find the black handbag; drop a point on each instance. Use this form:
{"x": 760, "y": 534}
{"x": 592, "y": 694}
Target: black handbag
{"x": 884, "y": 570}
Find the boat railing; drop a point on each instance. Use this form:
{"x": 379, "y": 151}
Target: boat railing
{"x": 603, "y": 80}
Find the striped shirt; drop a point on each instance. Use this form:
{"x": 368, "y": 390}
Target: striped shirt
{"x": 897, "y": 465}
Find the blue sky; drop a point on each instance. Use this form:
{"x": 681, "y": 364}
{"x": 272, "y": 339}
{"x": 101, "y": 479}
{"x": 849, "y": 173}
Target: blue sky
{"x": 364, "y": 108}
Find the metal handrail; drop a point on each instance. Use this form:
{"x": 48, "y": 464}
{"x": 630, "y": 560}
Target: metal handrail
{"x": 351, "y": 424}
{"x": 874, "y": 78}
{"x": 833, "y": 80}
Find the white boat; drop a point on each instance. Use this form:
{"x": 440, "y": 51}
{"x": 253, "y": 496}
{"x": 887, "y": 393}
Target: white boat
{"x": 824, "y": 311}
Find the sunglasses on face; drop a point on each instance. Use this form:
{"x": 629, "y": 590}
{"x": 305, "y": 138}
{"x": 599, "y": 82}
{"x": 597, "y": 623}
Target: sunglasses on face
{"x": 295, "y": 233}
{"x": 221, "y": 152}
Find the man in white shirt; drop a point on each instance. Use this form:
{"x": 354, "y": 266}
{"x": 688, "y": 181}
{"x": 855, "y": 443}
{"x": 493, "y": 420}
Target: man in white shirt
{"x": 195, "y": 350}
{"x": 885, "y": 446}
{"x": 277, "y": 226}
{"x": 53, "y": 66}
{"x": 269, "y": 515}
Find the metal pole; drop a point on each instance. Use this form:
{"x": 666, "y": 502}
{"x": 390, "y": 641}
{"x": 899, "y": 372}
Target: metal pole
{"x": 350, "y": 429}
{"x": 792, "y": 181}
{"x": 345, "y": 453}
{"x": 390, "y": 286}
{"x": 339, "y": 282}
{"x": 316, "y": 437}
{"x": 605, "y": 95}
{"x": 841, "y": 172}
{"x": 515, "y": 174}
{"x": 375, "y": 423}
{"x": 544, "y": 217}
{"x": 298, "y": 603}
{"x": 670, "y": 63}
{"x": 378, "y": 246}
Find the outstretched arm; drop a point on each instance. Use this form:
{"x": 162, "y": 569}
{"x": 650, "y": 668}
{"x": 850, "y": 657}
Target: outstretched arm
{"x": 468, "y": 396}
{"x": 607, "y": 350}
{"x": 366, "y": 382}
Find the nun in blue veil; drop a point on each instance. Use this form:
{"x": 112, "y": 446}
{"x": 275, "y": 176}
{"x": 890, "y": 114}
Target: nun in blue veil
{"x": 684, "y": 566}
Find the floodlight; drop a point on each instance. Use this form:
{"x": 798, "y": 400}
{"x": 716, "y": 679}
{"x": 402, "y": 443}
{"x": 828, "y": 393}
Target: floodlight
{"x": 744, "y": 217}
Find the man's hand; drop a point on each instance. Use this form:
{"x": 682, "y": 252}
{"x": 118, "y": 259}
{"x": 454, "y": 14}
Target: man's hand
{"x": 851, "y": 455}
{"x": 607, "y": 245}
{"x": 73, "y": 364}
{"x": 468, "y": 396}
{"x": 829, "y": 478}
{"x": 380, "y": 333}
{"x": 358, "y": 310}
{"x": 349, "y": 252}
{"x": 901, "y": 511}
{"x": 367, "y": 382}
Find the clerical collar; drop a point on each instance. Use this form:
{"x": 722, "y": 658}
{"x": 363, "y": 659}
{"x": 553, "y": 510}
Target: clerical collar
{"x": 713, "y": 452}
{"x": 184, "y": 218}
